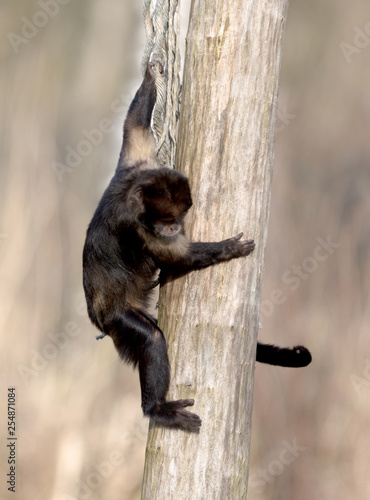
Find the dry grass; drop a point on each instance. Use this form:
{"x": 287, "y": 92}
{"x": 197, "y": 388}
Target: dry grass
{"x": 79, "y": 418}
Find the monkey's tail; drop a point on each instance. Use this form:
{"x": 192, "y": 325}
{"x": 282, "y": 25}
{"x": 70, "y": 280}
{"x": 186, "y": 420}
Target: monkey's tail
{"x": 296, "y": 357}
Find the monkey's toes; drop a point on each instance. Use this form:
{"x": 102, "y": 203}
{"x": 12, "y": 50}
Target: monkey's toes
{"x": 188, "y": 421}
{"x": 183, "y": 403}
{"x": 188, "y": 402}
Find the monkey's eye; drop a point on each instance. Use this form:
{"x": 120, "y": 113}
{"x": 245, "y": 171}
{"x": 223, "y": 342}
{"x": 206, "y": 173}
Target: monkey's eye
{"x": 167, "y": 219}
{"x": 154, "y": 193}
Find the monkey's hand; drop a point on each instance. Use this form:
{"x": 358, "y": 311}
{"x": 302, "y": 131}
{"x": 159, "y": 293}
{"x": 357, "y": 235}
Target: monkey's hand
{"x": 150, "y": 71}
{"x": 234, "y": 247}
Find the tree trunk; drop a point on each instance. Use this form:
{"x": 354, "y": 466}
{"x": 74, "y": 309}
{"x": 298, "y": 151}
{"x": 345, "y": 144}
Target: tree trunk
{"x": 210, "y": 318}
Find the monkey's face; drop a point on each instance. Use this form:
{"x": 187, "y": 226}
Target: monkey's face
{"x": 166, "y": 199}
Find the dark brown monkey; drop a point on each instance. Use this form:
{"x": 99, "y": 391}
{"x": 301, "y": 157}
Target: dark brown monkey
{"x": 136, "y": 230}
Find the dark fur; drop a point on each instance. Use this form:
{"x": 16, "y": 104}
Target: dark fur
{"x": 136, "y": 230}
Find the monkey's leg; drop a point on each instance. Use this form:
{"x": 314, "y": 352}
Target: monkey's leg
{"x": 140, "y": 341}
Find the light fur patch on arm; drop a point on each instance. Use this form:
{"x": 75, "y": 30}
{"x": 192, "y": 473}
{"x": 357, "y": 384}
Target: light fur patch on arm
{"x": 140, "y": 147}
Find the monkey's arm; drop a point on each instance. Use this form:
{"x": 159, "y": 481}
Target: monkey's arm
{"x": 138, "y": 141}
{"x": 201, "y": 255}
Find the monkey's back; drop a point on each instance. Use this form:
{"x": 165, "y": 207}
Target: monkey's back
{"x": 117, "y": 270}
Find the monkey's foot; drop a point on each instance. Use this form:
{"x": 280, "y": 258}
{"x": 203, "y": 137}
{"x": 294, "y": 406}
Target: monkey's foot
{"x": 172, "y": 414}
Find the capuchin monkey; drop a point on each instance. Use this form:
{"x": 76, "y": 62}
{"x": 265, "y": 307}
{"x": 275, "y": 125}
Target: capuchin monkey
{"x": 137, "y": 229}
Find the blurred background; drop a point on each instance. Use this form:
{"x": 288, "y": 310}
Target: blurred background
{"x": 69, "y": 71}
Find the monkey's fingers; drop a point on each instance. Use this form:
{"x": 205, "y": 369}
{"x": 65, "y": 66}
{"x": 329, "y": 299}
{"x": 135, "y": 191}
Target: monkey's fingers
{"x": 248, "y": 245}
{"x": 149, "y": 71}
{"x": 161, "y": 69}
{"x": 242, "y": 248}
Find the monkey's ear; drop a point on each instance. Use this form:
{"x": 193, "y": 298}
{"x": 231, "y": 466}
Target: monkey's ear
{"x": 137, "y": 200}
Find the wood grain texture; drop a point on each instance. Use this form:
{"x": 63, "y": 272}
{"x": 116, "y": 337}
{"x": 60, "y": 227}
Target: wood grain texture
{"x": 210, "y": 318}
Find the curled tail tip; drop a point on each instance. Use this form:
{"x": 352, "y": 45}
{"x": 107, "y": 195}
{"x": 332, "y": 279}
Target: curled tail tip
{"x": 303, "y": 354}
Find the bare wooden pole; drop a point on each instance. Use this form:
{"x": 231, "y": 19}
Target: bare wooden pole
{"x": 210, "y": 318}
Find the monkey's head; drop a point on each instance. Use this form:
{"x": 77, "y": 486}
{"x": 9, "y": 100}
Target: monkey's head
{"x": 164, "y": 196}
